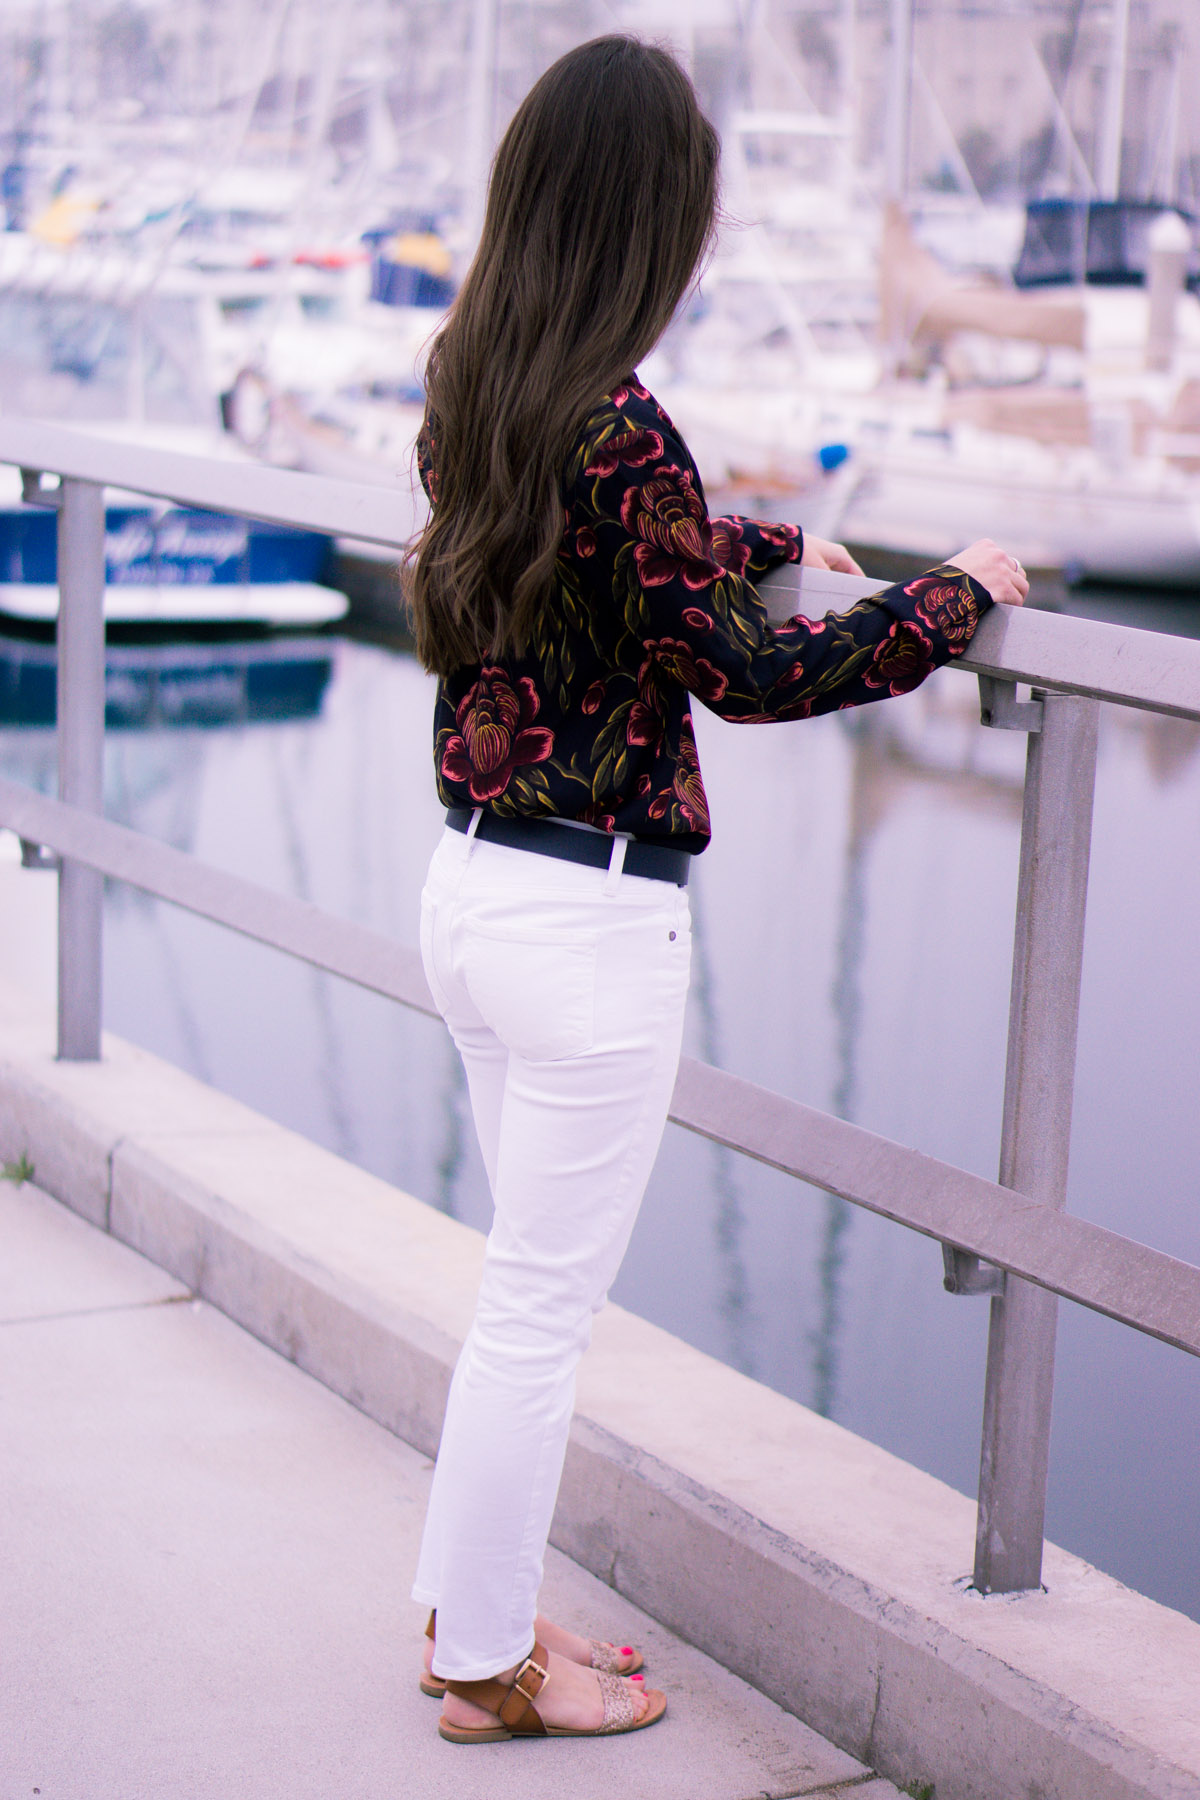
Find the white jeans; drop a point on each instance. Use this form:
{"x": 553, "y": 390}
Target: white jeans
{"x": 564, "y": 989}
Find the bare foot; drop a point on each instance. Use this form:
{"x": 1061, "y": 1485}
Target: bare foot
{"x": 570, "y": 1698}
{"x": 555, "y": 1637}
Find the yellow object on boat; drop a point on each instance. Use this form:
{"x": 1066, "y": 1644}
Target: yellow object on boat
{"x": 420, "y": 250}
{"x": 63, "y": 219}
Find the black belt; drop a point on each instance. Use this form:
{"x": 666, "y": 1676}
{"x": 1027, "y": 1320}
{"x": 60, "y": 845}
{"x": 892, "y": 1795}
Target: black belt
{"x": 657, "y": 862}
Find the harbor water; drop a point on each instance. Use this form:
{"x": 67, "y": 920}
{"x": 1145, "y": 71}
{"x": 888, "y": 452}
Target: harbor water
{"x": 853, "y": 941}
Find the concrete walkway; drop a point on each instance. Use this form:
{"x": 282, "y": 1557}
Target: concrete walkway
{"x": 203, "y": 1590}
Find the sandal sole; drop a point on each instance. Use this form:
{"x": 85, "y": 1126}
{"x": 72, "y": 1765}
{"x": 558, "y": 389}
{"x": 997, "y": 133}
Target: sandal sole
{"x": 499, "y": 1734}
{"x": 462, "y": 1734}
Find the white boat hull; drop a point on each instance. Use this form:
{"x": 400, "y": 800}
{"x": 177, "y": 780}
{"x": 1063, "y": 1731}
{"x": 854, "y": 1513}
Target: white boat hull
{"x": 275, "y": 603}
{"x": 1138, "y": 526}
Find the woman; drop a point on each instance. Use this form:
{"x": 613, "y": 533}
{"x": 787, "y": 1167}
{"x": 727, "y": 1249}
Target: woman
{"x": 573, "y": 595}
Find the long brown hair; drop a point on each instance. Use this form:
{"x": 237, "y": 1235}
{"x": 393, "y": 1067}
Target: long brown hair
{"x": 603, "y": 200}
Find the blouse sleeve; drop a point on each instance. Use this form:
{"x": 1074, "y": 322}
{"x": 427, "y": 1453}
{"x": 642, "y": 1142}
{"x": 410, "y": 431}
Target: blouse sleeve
{"x": 683, "y": 582}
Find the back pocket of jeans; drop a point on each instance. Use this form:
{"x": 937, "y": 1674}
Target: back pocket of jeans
{"x": 538, "y": 993}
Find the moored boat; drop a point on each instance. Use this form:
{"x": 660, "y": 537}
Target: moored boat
{"x": 175, "y": 566}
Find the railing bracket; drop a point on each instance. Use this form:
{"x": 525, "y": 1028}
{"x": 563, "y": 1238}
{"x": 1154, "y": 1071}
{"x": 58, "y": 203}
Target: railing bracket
{"x": 967, "y": 1274}
{"x": 38, "y": 856}
{"x": 34, "y": 494}
{"x": 1000, "y": 708}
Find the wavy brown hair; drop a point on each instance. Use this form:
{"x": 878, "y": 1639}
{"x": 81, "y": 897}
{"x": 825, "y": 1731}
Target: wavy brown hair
{"x": 602, "y": 203}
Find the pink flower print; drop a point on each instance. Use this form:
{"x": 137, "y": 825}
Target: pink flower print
{"x": 688, "y": 786}
{"x": 902, "y": 661}
{"x": 633, "y": 448}
{"x": 647, "y": 719}
{"x": 496, "y": 734}
{"x": 675, "y": 539}
{"x": 698, "y": 675}
{"x": 727, "y": 546}
{"x": 946, "y": 606}
{"x": 780, "y": 537}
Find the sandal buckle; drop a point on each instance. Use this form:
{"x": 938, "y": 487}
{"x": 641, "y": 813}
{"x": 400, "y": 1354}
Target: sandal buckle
{"x": 533, "y": 1668}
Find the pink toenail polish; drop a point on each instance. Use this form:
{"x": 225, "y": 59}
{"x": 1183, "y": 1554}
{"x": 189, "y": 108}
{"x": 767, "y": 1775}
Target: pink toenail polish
{"x": 637, "y": 1678}
{"x": 626, "y": 1649}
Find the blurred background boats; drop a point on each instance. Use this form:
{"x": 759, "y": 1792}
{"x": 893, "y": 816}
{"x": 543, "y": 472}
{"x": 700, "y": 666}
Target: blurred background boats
{"x": 957, "y": 287}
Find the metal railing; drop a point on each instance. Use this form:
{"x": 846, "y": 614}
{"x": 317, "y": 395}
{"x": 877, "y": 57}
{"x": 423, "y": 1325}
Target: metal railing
{"x": 1009, "y": 1239}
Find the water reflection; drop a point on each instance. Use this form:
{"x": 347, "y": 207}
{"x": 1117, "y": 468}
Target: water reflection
{"x": 733, "y": 1288}
{"x": 1170, "y": 746}
{"x": 288, "y": 785}
{"x": 885, "y": 763}
{"x": 846, "y": 1000}
{"x": 449, "y": 1166}
{"x": 156, "y": 686}
{"x": 846, "y": 997}
{"x": 177, "y": 995}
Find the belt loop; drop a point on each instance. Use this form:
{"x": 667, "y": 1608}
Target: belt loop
{"x": 616, "y": 863}
{"x": 473, "y": 827}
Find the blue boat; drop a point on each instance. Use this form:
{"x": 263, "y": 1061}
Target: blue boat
{"x": 410, "y": 263}
{"x": 176, "y": 566}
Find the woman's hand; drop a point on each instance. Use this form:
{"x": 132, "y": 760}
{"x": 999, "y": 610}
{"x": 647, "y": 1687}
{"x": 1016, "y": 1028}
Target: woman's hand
{"x": 819, "y": 553}
{"x": 997, "y": 571}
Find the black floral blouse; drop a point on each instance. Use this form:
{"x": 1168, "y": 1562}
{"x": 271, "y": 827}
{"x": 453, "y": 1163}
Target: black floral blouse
{"x": 654, "y": 604}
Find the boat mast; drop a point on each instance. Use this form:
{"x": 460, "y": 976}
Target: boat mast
{"x": 847, "y": 98}
{"x": 1108, "y": 172}
{"x": 898, "y": 102}
{"x": 481, "y": 87}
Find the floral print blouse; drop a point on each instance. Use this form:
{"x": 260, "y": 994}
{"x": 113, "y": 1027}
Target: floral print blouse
{"x": 654, "y": 605}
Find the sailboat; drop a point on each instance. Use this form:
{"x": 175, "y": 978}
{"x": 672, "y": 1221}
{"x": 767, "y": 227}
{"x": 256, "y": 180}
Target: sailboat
{"x": 1061, "y": 416}
{"x": 1092, "y": 466}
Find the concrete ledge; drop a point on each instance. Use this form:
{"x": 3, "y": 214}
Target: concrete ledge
{"x": 829, "y": 1574}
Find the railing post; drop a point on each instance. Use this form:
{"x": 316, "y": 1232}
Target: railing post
{"x": 80, "y": 758}
{"x": 1038, "y": 1091}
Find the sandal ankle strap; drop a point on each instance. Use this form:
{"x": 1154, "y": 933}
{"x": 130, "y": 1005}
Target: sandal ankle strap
{"x": 511, "y": 1701}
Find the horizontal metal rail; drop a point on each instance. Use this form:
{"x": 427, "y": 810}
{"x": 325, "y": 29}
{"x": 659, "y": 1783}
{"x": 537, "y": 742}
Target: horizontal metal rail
{"x": 294, "y": 926}
{"x": 1146, "y": 669}
{"x": 1144, "y": 1288}
{"x": 378, "y": 515}
{"x": 1127, "y": 1281}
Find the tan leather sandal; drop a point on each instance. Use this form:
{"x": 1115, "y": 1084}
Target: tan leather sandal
{"x": 606, "y": 1659}
{"x": 512, "y": 1702}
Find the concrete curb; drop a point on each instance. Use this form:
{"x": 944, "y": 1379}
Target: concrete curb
{"x": 827, "y": 1573}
